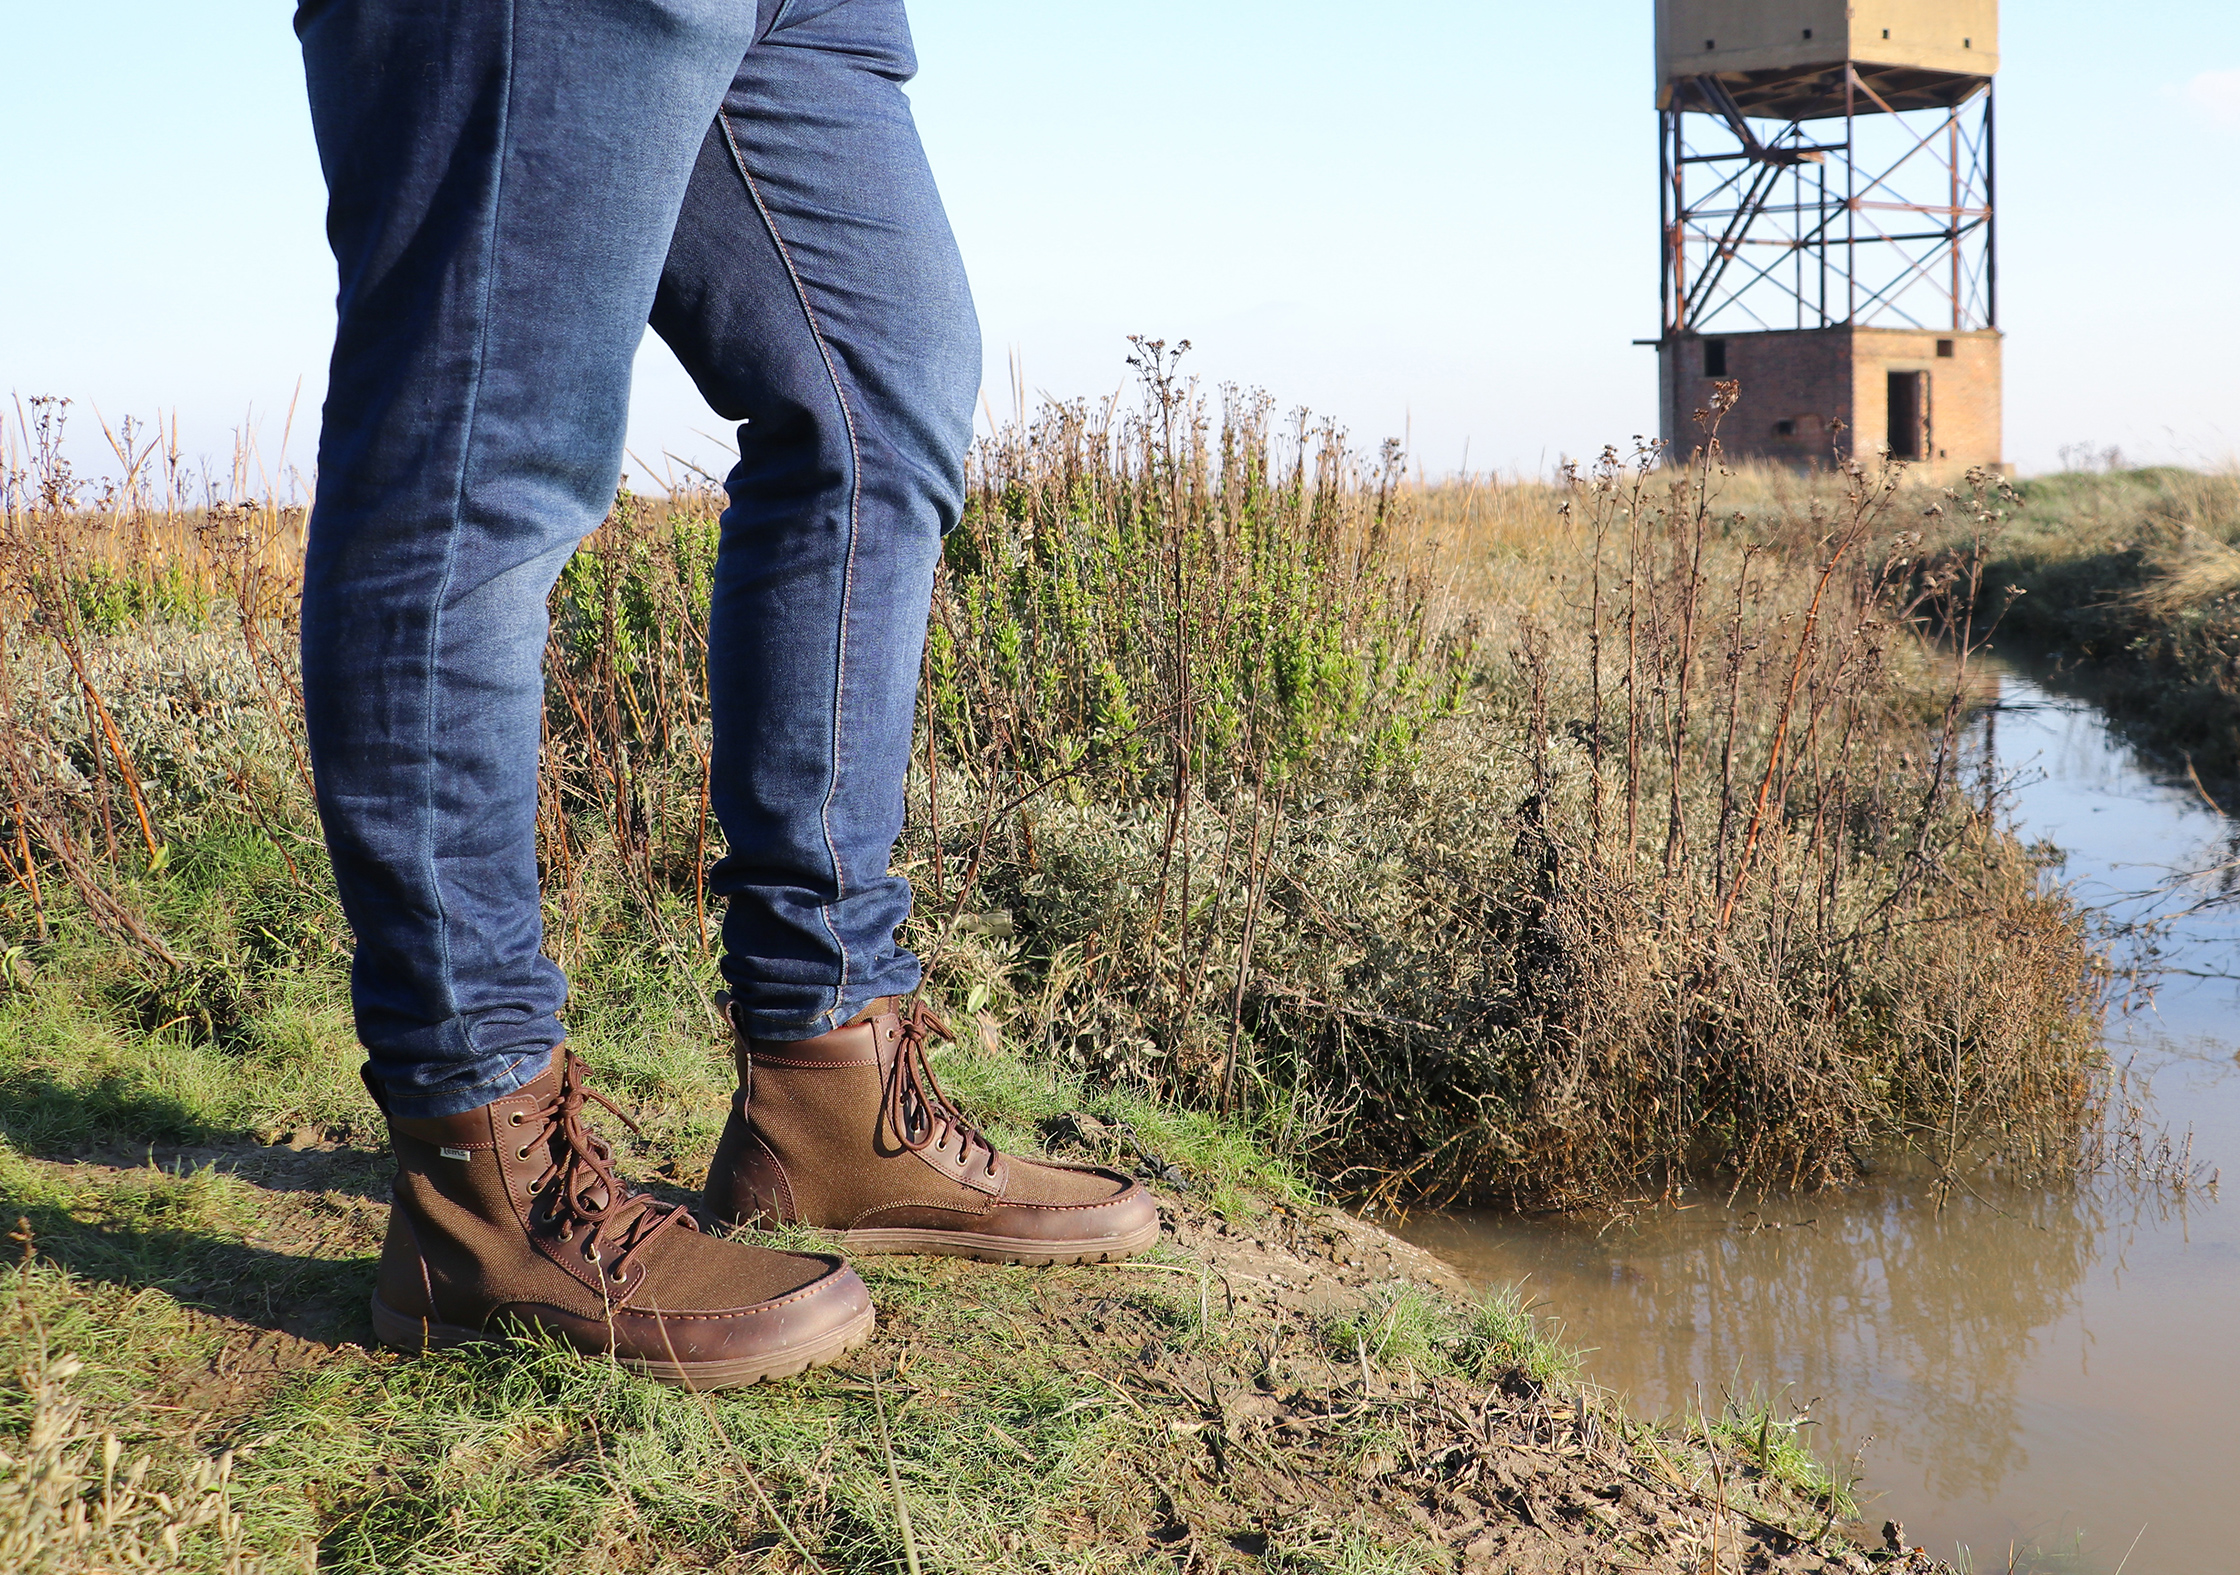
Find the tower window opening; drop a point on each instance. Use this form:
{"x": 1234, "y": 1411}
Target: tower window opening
{"x": 1784, "y": 428}
{"x": 1967, "y": 43}
{"x": 1711, "y": 43}
{"x": 1886, "y": 32}
{"x": 1907, "y": 408}
{"x": 1944, "y": 349}
{"x": 1714, "y": 358}
{"x": 1808, "y": 32}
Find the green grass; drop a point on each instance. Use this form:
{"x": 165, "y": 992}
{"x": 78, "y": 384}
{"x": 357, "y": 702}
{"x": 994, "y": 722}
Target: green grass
{"x": 1008, "y": 1452}
{"x": 1399, "y": 1325}
{"x": 1503, "y": 1336}
{"x": 1007, "y": 1419}
{"x": 123, "y": 1334}
{"x": 1773, "y": 1439}
{"x": 504, "y": 1460}
{"x": 508, "y": 1460}
{"x": 148, "y": 1226}
{"x": 250, "y": 1033}
{"x": 1227, "y": 1162}
{"x": 71, "y": 1077}
{"x": 1403, "y": 1325}
{"x": 516, "y": 1458}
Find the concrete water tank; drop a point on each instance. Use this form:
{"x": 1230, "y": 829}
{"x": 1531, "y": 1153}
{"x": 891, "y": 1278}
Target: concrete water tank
{"x": 1773, "y": 40}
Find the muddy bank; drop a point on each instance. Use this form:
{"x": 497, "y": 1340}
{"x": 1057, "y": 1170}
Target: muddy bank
{"x": 1494, "y": 1470}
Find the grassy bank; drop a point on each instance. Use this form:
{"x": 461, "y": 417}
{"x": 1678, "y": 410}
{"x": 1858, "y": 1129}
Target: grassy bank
{"x": 1280, "y": 827}
{"x": 1275, "y": 1387}
{"x": 2130, "y": 583}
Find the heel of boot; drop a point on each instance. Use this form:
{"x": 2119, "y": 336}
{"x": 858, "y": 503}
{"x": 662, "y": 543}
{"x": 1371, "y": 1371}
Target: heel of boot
{"x": 746, "y": 1184}
{"x": 400, "y": 1333}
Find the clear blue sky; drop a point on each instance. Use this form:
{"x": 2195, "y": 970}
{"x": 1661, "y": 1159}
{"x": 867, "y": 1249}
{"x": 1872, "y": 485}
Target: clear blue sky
{"x": 1431, "y": 216}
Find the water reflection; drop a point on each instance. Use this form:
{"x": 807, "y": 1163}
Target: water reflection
{"x": 2052, "y": 1368}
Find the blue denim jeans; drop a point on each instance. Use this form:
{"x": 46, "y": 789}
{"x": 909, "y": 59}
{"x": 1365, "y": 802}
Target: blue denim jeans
{"x": 517, "y": 187}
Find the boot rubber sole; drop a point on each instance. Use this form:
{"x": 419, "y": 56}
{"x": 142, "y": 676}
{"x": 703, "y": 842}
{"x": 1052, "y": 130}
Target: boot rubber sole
{"x": 415, "y": 1335}
{"x": 875, "y": 1242}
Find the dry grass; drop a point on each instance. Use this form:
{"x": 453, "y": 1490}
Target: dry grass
{"x": 1755, "y": 914}
{"x": 76, "y": 1501}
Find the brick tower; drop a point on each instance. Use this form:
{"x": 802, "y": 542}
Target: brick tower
{"x": 1828, "y": 235}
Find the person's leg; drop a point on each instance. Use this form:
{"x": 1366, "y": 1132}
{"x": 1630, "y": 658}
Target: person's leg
{"x": 815, "y": 294}
{"x": 503, "y": 179}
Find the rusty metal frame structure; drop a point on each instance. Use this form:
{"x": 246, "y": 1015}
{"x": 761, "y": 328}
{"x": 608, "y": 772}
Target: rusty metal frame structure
{"x": 1850, "y": 203}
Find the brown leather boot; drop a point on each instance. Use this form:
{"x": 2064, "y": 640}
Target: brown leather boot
{"x": 512, "y": 1215}
{"x": 848, "y": 1131}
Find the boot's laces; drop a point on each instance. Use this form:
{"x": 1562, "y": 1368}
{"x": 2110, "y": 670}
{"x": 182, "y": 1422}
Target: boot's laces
{"x": 918, "y": 1113}
{"x": 580, "y": 1187}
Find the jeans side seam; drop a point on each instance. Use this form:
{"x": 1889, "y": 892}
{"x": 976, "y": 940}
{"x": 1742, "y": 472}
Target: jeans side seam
{"x": 457, "y": 523}
{"x": 848, "y": 571}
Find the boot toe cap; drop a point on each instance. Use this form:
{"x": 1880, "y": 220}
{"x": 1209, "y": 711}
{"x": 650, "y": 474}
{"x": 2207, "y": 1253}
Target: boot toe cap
{"x": 812, "y": 1323}
{"x": 1125, "y": 1219}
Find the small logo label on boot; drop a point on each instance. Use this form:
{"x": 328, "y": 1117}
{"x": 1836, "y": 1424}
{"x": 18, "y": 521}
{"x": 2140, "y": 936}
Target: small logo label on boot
{"x": 454, "y": 1153}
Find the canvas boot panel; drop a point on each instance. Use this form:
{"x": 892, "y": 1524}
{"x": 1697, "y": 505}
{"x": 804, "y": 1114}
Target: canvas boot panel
{"x": 850, "y": 1132}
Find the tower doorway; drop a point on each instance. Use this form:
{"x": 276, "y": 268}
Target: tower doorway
{"x": 1909, "y": 415}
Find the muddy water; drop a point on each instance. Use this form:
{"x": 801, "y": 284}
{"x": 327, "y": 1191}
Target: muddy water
{"x": 2056, "y": 1374}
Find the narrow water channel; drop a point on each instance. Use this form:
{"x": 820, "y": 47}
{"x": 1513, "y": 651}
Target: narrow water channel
{"x": 2051, "y": 1377}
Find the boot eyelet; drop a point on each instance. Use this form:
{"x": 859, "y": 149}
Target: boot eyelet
{"x": 567, "y": 1231}
{"x": 522, "y": 1152}
{"x": 590, "y": 1252}
{"x": 620, "y": 1276}
{"x": 515, "y": 1118}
